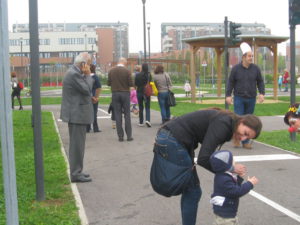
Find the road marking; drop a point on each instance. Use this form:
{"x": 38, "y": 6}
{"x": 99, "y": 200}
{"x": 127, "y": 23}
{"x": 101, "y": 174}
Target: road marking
{"x": 102, "y": 110}
{"x": 103, "y": 117}
{"x": 251, "y": 158}
{"x": 275, "y": 206}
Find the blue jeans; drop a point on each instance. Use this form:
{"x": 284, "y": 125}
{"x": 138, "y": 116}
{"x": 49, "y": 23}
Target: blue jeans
{"x": 141, "y": 99}
{"x": 164, "y": 107}
{"x": 243, "y": 106}
{"x": 178, "y": 155}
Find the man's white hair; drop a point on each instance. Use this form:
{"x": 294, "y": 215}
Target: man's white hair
{"x": 82, "y": 57}
{"x": 122, "y": 60}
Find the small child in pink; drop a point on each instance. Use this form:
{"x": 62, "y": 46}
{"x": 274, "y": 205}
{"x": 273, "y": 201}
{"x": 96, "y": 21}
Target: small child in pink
{"x": 133, "y": 101}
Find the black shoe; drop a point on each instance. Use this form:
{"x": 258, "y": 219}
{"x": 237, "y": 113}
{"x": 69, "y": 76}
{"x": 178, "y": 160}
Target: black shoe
{"x": 81, "y": 179}
{"x": 121, "y": 139}
{"x": 21, "y": 108}
{"x": 96, "y": 131}
{"x": 85, "y": 174}
{"x": 130, "y": 139}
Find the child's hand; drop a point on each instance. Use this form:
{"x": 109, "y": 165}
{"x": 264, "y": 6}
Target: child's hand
{"x": 253, "y": 180}
{"x": 240, "y": 169}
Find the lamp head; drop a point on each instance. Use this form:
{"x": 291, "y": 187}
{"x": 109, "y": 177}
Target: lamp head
{"x": 144, "y": 1}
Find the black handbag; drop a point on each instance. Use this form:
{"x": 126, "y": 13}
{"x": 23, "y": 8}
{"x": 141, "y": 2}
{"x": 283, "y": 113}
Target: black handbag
{"x": 171, "y": 96}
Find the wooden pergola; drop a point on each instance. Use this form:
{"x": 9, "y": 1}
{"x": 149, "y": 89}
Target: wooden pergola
{"x": 217, "y": 42}
{"x": 154, "y": 62}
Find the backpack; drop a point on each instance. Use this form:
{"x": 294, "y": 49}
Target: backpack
{"x": 167, "y": 178}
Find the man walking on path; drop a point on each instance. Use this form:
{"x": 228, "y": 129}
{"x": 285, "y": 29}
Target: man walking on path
{"x": 244, "y": 79}
{"x": 120, "y": 80}
{"x": 77, "y": 111}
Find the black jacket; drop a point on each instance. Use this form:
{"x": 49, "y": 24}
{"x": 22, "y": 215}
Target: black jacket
{"x": 210, "y": 128}
{"x": 245, "y": 81}
{"x": 141, "y": 80}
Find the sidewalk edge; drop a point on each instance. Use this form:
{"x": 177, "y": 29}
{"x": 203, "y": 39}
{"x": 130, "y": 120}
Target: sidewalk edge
{"x": 79, "y": 204}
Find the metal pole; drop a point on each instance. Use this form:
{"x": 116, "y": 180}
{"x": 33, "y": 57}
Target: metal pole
{"x": 120, "y": 39}
{"x": 149, "y": 52}
{"x": 226, "y": 61}
{"x": 293, "y": 57}
{"x": 144, "y": 24}
{"x": 7, "y": 139}
{"x": 36, "y": 101}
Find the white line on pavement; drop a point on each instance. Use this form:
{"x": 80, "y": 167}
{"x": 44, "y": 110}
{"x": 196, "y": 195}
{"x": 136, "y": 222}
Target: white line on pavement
{"x": 103, "y": 117}
{"x": 250, "y": 158}
{"x": 102, "y": 110}
{"x": 275, "y": 206}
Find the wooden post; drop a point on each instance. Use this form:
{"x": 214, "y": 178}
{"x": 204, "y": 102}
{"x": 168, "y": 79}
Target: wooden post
{"x": 219, "y": 71}
{"x": 275, "y": 79}
{"x": 192, "y": 74}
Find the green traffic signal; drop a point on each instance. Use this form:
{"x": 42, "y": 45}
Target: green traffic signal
{"x": 294, "y": 12}
{"x": 234, "y": 32}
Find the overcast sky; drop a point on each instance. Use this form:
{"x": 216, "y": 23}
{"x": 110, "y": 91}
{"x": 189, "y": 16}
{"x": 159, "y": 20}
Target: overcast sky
{"x": 274, "y": 14}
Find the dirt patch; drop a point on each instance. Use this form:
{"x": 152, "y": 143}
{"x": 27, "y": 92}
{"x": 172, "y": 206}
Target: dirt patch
{"x": 222, "y": 101}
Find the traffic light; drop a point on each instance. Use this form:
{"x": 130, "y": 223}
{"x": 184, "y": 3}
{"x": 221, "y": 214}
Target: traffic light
{"x": 294, "y": 12}
{"x": 234, "y": 32}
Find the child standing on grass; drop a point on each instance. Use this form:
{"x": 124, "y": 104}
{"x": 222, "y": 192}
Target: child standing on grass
{"x": 187, "y": 88}
{"x": 228, "y": 188}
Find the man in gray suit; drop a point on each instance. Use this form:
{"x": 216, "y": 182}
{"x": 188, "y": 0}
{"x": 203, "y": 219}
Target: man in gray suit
{"x": 77, "y": 111}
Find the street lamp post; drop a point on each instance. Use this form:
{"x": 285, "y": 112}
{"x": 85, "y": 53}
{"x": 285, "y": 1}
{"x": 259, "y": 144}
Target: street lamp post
{"x": 85, "y": 42}
{"x": 120, "y": 39}
{"x": 21, "y": 44}
{"x": 149, "y": 52}
{"x": 144, "y": 24}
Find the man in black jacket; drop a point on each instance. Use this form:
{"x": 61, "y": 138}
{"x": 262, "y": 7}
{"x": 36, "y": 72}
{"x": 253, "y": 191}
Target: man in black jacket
{"x": 244, "y": 79}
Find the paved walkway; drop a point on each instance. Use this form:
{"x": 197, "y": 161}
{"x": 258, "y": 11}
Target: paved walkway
{"x": 121, "y": 194}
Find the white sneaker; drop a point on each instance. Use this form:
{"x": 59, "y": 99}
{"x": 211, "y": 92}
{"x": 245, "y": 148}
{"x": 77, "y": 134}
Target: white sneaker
{"x": 141, "y": 124}
{"x": 148, "y": 124}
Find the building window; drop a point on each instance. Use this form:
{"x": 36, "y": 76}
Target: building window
{"x": 44, "y": 41}
{"x": 91, "y": 40}
{"x": 71, "y": 41}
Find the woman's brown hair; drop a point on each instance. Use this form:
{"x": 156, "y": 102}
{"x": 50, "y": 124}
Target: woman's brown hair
{"x": 249, "y": 120}
{"x": 159, "y": 69}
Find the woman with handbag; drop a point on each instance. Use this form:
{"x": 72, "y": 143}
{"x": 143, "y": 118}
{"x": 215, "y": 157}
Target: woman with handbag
{"x": 141, "y": 80}
{"x": 174, "y": 148}
{"x": 163, "y": 84}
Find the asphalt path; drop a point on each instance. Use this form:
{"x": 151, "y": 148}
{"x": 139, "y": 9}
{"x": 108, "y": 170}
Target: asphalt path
{"x": 121, "y": 194}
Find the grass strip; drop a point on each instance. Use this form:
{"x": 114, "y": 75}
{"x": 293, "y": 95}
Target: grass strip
{"x": 59, "y": 206}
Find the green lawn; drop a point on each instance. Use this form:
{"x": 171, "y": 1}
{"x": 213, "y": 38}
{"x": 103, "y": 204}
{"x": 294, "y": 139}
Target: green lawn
{"x": 280, "y": 139}
{"x": 59, "y": 206}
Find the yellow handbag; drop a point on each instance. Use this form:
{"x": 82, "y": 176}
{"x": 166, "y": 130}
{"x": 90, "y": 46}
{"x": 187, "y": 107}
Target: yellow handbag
{"x": 154, "y": 89}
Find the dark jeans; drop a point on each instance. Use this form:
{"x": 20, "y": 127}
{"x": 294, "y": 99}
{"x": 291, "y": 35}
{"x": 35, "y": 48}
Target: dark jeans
{"x": 286, "y": 87}
{"x": 164, "y": 107}
{"x": 243, "y": 106}
{"x": 121, "y": 104}
{"x": 141, "y": 100}
{"x": 178, "y": 155}
{"x": 95, "y": 123}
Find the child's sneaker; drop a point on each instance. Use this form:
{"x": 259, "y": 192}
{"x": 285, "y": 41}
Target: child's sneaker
{"x": 113, "y": 125}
